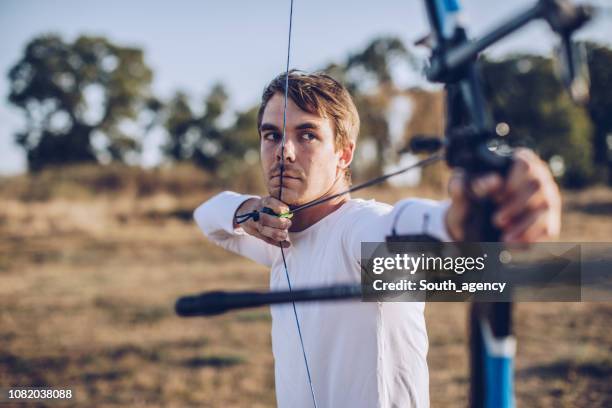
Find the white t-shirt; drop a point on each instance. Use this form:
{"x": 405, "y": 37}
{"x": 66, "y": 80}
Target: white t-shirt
{"x": 360, "y": 354}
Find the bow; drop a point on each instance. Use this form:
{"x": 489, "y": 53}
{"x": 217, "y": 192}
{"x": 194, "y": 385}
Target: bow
{"x": 470, "y": 144}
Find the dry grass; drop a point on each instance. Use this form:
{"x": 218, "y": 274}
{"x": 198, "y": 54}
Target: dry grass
{"x": 87, "y": 284}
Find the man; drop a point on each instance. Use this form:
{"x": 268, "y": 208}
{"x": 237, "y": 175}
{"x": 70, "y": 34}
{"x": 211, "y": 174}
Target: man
{"x": 359, "y": 354}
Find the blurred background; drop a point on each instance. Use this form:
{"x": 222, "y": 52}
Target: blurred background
{"x": 118, "y": 118}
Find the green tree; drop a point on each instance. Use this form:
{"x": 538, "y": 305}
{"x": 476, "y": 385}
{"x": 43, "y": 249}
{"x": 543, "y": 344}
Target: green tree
{"x": 524, "y": 93}
{"x": 204, "y": 140}
{"x": 84, "y": 101}
{"x": 377, "y": 58}
{"x": 368, "y": 75}
{"x": 374, "y": 128}
{"x": 242, "y": 137}
{"x": 178, "y": 124}
{"x": 600, "y": 105}
{"x": 193, "y": 136}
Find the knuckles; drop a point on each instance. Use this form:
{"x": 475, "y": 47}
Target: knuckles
{"x": 542, "y": 202}
{"x": 535, "y": 183}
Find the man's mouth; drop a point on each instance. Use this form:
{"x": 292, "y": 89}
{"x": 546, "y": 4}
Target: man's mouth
{"x": 287, "y": 181}
{"x": 285, "y": 176}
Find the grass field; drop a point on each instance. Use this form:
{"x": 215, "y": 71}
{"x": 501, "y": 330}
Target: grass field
{"x": 87, "y": 286}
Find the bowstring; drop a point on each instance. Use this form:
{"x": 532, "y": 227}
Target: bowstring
{"x": 254, "y": 215}
{"x": 280, "y": 195}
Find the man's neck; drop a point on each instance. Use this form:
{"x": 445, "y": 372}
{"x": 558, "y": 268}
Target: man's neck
{"x": 312, "y": 215}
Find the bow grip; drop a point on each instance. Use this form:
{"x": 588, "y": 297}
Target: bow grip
{"x": 478, "y": 225}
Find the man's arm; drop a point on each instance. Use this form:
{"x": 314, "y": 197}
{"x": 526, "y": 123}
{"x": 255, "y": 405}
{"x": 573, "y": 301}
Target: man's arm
{"x": 529, "y": 209}
{"x": 216, "y": 219}
{"x": 374, "y": 222}
{"x": 420, "y": 216}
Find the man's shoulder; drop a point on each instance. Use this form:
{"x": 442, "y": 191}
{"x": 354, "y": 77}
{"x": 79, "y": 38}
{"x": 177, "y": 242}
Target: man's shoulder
{"x": 358, "y": 205}
{"x": 358, "y": 212}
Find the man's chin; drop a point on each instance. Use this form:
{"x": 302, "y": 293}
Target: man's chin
{"x": 289, "y": 196}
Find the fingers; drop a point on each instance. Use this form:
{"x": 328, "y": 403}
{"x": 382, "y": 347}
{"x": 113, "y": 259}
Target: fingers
{"x": 276, "y": 234}
{"x": 530, "y": 198}
{"x": 531, "y": 228}
{"x": 273, "y": 221}
{"x": 456, "y": 186}
{"x": 274, "y": 204}
{"x": 459, "y": 205}
{"x": 526, "y": 166}
{"x": 531, "y": 210}
{"x": 270, "y": 228}
{"x": 273, "y": 236}
{"x": 272, "y": 239}
{"x": 489, "y": 185}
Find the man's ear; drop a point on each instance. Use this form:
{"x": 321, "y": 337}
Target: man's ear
{"x": 346, "y": 155}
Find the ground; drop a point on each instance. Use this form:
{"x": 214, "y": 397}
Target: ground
{"x": 87, "y": 286}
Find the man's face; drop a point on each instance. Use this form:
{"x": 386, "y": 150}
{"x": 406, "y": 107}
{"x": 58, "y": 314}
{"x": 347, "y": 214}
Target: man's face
{"x": 312, "y": 164}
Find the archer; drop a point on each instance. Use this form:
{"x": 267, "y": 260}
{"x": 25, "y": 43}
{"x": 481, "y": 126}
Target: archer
{"x": 356, "y": 354}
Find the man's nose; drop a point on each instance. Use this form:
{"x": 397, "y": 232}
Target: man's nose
{"x": 286, "y": 152}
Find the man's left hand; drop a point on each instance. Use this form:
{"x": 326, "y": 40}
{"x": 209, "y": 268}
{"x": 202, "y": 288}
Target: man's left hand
{"x": 528, "y": 201}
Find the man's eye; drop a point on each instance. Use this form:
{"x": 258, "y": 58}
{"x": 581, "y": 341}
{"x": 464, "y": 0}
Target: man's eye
{"x": 272, "y": 136}
{"x": 308, "y": 136}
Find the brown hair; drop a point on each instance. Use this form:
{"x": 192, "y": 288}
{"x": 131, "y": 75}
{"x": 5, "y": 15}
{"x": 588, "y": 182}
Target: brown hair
{"x": 320, "y": 94}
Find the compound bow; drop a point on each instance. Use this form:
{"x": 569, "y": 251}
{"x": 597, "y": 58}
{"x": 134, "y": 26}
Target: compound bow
{"x": 469, "y": 145}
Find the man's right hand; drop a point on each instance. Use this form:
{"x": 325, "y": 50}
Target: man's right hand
{"x": 272, "y": 229}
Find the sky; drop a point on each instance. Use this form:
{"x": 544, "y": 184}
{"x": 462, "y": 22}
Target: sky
{"x": 192, "y": 44}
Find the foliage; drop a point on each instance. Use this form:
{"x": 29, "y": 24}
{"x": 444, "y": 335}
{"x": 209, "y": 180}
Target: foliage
{"x": 368, "y": 76}
{"x": 525, "y": 94}
{"x": 599, "y": 107}
{"x": 202, "y": 139}
{"x": 90, "y": 101}
{"x": 376, "y": 59}
{"x": 82, "y": 100}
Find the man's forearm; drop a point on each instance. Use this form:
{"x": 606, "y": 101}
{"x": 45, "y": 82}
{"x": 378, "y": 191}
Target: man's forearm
{"x": 216, "y": 215}
{"x": 246, "y": 207}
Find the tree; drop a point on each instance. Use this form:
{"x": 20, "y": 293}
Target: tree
{"x": 376, "y": 59}
{"x": 85, "y": 101}
{"x": 600, "y": 105}
{"x": 524, "y": 93}
{"x": 196, "y": 137}
{"x": 202, "y": 139}
{"x": 368, "y": 76}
